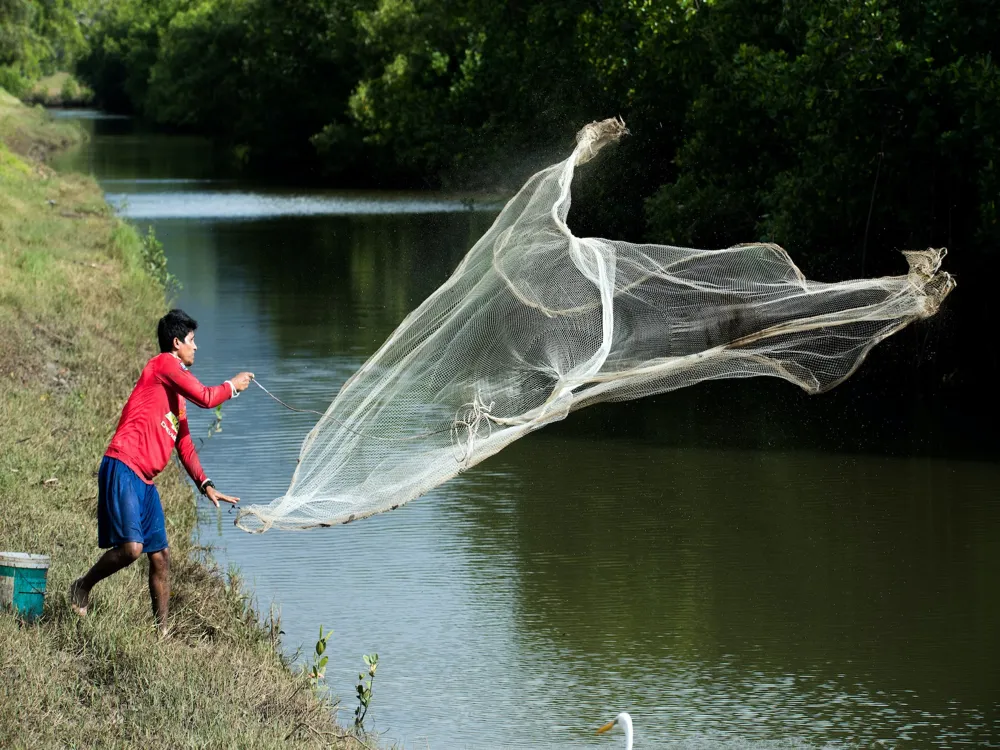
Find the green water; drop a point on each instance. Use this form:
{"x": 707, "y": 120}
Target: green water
{"x": 736, "y": 564}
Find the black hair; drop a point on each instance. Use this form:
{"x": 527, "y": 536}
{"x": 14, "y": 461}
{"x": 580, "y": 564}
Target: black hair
{"x": 176, "y": 324}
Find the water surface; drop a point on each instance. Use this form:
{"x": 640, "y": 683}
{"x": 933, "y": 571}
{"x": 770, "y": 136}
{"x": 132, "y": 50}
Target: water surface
{"x": 736, "y": 564}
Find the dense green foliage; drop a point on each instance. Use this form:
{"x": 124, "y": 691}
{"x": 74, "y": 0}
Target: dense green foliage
{"x": 264, "y": 76}
{"x": 846, "y": 128}
{"x": 37, "y": 38}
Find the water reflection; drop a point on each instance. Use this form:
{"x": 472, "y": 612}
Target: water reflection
{"x": 732, "y": 563}
{"x": 336, "y": 285}
{"x": 805, "y": 583}
{"x": 238, "y": 204}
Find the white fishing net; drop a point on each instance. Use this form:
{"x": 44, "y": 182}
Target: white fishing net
{"x": 536, "y": 322}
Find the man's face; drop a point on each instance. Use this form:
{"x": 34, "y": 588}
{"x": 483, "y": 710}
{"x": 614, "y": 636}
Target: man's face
{"x": 185, "y": 349}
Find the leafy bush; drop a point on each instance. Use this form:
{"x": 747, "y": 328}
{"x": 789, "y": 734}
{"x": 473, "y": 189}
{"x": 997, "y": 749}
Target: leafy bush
{"x": 13, "y": 81}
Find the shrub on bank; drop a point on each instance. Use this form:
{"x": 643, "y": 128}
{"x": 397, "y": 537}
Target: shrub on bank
{"x": 59, "y": 90}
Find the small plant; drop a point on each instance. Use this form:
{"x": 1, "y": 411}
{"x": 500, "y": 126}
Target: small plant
{"x": 318, "y": 669}
{"x": 155, "y": 261}
{"x": 216, "y": 427}
{"x": 365, "y": 690}
{"x": 70, "y": 91}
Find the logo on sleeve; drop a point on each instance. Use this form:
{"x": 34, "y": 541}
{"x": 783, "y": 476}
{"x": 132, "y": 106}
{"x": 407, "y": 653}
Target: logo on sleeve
{"x": 171, "y": 424}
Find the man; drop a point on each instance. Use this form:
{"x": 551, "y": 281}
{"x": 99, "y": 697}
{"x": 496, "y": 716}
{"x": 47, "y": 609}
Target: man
{"x": 129, "y": 514}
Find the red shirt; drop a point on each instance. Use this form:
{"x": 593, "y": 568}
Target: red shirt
{"x": 154, "y": 418}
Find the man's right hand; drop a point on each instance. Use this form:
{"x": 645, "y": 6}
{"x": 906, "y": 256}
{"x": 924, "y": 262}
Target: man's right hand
{"x": 242, "y": 381}
{"x": 215, "y": 496}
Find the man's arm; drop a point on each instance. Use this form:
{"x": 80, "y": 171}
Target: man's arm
{"x": 189, "y": 457}
{"x": 207, "y": 397}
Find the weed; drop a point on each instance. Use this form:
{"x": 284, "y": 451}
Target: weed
{"x": 364, "y": 690}
{"x": 216, "y": 427}
{"x": 155, "y": 261}
{"x": 318, "y": 669}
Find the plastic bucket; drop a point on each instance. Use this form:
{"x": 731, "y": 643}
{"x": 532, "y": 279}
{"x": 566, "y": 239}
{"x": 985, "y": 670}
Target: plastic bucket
{"x": 22, "y": 583}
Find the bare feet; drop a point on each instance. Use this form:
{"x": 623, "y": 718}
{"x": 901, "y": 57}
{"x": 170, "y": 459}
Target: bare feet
{"x": 79, "y": 597}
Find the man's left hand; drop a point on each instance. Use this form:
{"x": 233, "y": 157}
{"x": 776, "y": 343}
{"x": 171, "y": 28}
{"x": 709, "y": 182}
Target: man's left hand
{"x": 215, "y": 496}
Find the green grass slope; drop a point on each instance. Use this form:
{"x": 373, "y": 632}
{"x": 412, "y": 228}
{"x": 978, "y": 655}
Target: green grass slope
{"x": 77, "y": 315}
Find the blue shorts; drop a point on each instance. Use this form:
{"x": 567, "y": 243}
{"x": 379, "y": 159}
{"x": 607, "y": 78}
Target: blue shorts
{"x": 128, "y": 509}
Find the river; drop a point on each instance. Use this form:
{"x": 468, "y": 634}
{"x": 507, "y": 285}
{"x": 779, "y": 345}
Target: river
{"x": 736, "y": 564}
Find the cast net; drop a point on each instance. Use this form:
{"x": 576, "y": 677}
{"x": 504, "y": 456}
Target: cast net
{"x": 536, "y": 322}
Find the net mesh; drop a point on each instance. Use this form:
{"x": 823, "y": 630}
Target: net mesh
{"x": 536, "y": 322}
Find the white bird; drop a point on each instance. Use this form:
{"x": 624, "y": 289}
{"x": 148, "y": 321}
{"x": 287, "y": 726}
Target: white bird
{"x": 624, "y": 721}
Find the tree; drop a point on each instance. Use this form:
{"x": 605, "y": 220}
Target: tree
{"x": 37, "y": 38}
{"x": 848, "y": 132}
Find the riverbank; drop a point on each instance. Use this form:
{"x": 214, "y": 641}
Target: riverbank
{"x": 59, "y": 90}
{"x": 77, "y": 308}
{"x": 31, "y": 133}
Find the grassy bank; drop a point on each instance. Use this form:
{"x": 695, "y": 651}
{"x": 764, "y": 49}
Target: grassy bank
{"x": 30, "y": 133}
{"x": 59, "y": 90}
{"x": 77, "y": 315}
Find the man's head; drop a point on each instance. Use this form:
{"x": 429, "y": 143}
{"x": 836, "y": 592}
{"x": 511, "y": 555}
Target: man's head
{"x": 175, "y": 332}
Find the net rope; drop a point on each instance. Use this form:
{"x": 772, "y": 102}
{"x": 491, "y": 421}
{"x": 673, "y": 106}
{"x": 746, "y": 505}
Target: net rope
{"x": 536, "y": 322}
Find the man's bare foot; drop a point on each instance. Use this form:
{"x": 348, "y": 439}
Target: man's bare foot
{"x": 79, "y": 597}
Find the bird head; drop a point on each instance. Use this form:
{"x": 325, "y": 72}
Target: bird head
{"x": 624, "y": 722}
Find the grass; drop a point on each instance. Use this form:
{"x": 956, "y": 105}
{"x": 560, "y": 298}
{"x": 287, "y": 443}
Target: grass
{"x": 31, "y": 132}
{"x": 77, "y": 312}
{"x": 59, "y": 90}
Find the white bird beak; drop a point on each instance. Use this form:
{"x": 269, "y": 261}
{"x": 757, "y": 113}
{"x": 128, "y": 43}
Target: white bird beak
{"x": 606, "y": 727}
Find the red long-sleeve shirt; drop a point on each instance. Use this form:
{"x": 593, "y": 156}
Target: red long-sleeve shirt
{"x": 154, "y": 419}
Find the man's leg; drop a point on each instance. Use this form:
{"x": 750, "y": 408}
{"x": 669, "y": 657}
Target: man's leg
{"x": 118, "y": 528}
{"x": 154, "y": 534}
{"x": 110, "y": 563}
{"x": 159, "y": 587}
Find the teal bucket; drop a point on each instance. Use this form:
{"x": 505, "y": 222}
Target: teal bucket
{"x": 22, "y": 583}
